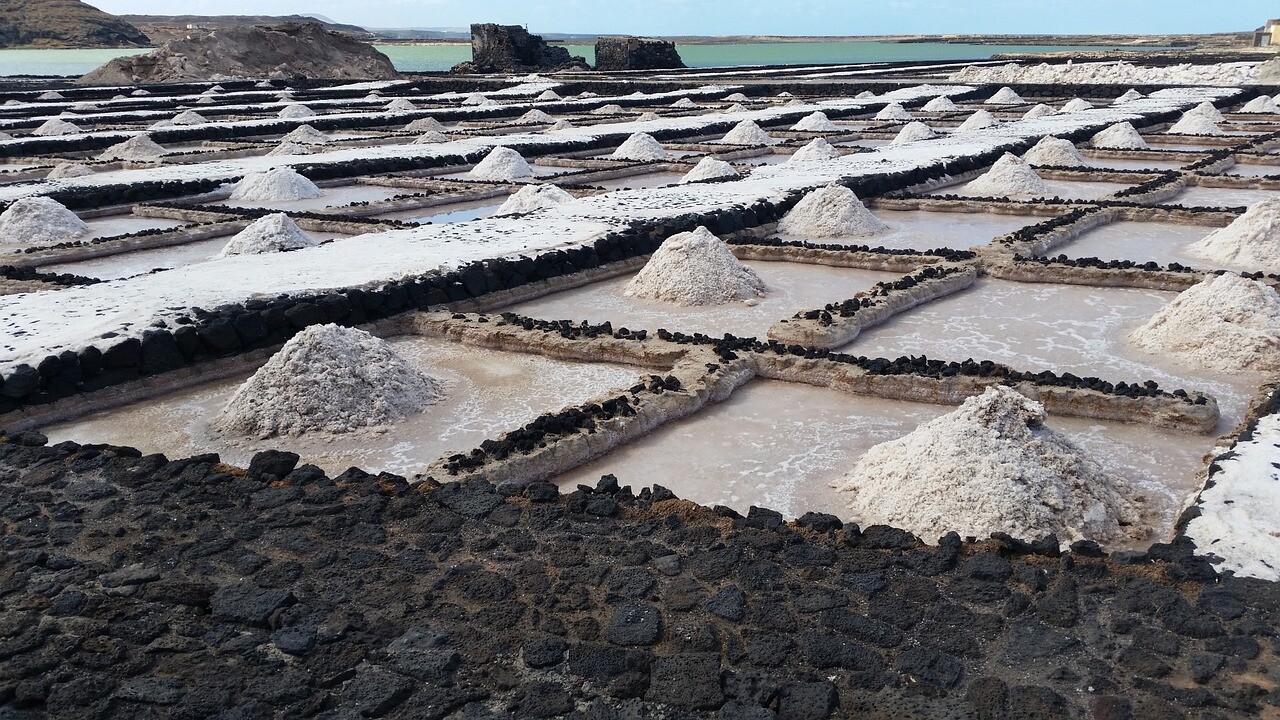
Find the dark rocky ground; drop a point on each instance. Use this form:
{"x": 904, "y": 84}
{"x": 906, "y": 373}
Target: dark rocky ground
{"x": 136, "y": 587}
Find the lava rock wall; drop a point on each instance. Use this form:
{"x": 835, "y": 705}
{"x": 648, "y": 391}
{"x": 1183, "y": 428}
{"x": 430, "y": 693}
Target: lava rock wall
{"x": 633, "y": 53}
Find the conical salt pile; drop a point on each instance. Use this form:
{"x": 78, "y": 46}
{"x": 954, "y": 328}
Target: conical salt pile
{"x": 977, "y": 121}
{"x": 294, "y": 111}
{"x": 709, "y": 168}
{"x": 747, "y": 132}
{"x": 1251, "y": 240}
{"x": 684, "y": 102}
{"x": 1262, "y": 105}
{"x": 1120, "y": 136}
{"x": 1193, "y": 123}
{"x": 306, "y": 135}
{"x": 268, "y": 234}
{"x": 1129, "y": 95}
{"x": 431, "y": 137}
{"x": 641, "y": 147}
{"x": 736, "y": 97}
{"x": 912, "y": 132}
{"x": 693, "y": 269}
{"x": 51, "y": 95}
{"x": 423, "y": 125}
{"x": 1005, "y": 96}
{"x": 5, "y": 136}
{"x": 68, "y": 169}
{"x": 401, "y": 105}
{"x": 501, "y": 164}
{"x": 648, "y": 117}
{"x": 893, "y": 111}
{"x": 282, "y": 184}
{"x": 534, "y": 117}
{"x": 815, "y": 122}
{"x": 1076, "y": 105}
{"x": 138, "y": 147}
{"x": 942, "y": 103}
{"x": 189, "y": 117}
{"x": 610, "y": 109}
{"x": 561, "y": 125}
{"x": 992, "y": 466}
{"x": 474, "y": 99}
{"x": 833, "y": 211}
{"x": 534, "y": 197}
{"x": 548, "y": 95}
{"x": 54, "y": 126}
{"x": 328, "y": 379}
{"x": 1208, "y": 110}
{"x": 1009, "y": 177}
{"x": 864, "y": 95}
{"x": 1227, "y": 323}
{"x": 817, "y": 149}
{"x": 289, "y": 148}
{"x": 1054, "y": 152}
{"x": 39, "y": 220}
{"x": 1038, "y": 111}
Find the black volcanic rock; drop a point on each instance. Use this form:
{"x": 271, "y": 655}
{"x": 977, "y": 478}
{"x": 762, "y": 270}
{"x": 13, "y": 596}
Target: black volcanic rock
{"x": 510, "y": 48}
{"x": 64, "y": 24}
{"x": 633, "y": 53}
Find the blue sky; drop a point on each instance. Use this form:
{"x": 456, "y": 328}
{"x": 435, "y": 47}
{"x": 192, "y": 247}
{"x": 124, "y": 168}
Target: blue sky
{"x": 758, "y": 17}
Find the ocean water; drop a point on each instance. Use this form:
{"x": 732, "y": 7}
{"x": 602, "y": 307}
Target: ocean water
{"x": 436, "y": 58}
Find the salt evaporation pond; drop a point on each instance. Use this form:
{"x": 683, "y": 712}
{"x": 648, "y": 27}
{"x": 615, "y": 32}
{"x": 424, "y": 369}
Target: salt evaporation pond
{"x": 1065, "y": 189}
{"x": 1126, "y": 164}
{"x": 637, "y": 182}
{"x": 113, "y": 225}
{"x": 1197, "y": 196}
{"x": 792, "y": 287}
{"x": 1253, "y": 170}
{"x": 332, "y": 197}
{"x": 1141, "y": 242}
{"x": 926, "y": 230}
{"x": 488, "y": 392}
{"x": 453, "y": 212}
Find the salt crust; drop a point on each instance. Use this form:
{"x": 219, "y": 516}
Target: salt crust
{"x": 832, "y": 211}
{"x": 1038, "y": 111}
{"x": 1110, "y": 73}
{"x": 977, "y": 121}
{"x": 423, "y": 125}
{"x": 1193, "y": 123}
{"x": 1208, "y": 110}
{"x": 816, "y": 150}
{"x": 501, "y": 164}
{"x": 1076, "y": 105}
{"x": 747, "y": 132}
{"x": 992, "y": 466}
{"x": 306, "y": 135}
{"x": 912, "y": 132}
{"x": 815, "y": 122}
{"x": 328, "y": 379}
{"x": 942, "y": 103}
{"x": 534, "y": 117}
{"x": 289, "y": 148}
{"x": 1261, "y": 104}
{"x": 268, "y": 234}
{"x": 694, "y": 269}
{"x": 1120, "y": 136}
{"x": 54, "y": 126}
{"x": 1054, "y": 152}
{"x": 1005, "y": 96}
{"x": 893, "y": 111}
{"x": 282, "y": 184}
{"x": 138, "y": 147}
{"x": 534, "y": 197}
{"x": 640, "y": 147}
{"x": 1251, "y": 240}
{"x": 296, "y": 110}
{"x": 1226, "y": 323}
{"x": 1010, "y": 177}
{"x": 69, "y": 170}
{"x": 709, "y": 168}
{"x": 39, "y": 220}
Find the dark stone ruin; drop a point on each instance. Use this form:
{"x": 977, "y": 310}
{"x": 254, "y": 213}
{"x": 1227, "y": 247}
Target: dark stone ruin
{"x": 510, "y": 48}
{"x": 633, "y": 53}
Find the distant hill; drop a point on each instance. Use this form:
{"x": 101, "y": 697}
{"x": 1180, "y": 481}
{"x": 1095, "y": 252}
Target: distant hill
{"x": 168, "y": 27}
{"x": 64, "y": 24}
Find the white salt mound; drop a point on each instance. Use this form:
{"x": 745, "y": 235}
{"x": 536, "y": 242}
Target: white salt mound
{"x": 992, "y": 466}
{"x": 641, "y": 147}
{"x": 289, "y": 148}
{"x": 306, "y": 135}
{"x": 942, "y": 103}
{"x": 401, "y": 105}
{"x": 502, "y": 163}
{"x": 533, "y": 117}
{"x": 431, "y": 137}
{"x": 913, "y": 132}
{"x": 1076, "y": 105}
{"x": 1005, "y": 96}
{"x": 648, "y": 117}
{"x": 684, "y": 102}
{"x": 1261, "y": 104}
{"x": 268, "y": 234}
{"x": 1054, "y": 152}
{"x": 737, "y": 97}
{"x": 1038, "y": 111}
{"x": 328, "y": 379}
{"x": 1251, "y": 240}
{"x": 737, "y": 108}
{"x": 295, "y": 110}
{"x": 977, "y": 121}
{"x": 68, "y": 169}
{"x": 38, "y": 220}
{"x": 1009, "y": 177}
{"x": 1227, "y": 323}
{"x": 796, "y": 103}
{"x": 1192, "y": 123}
{"x": 189, "y": 117}
{"x": 864, "y": 95}
{"x": 611, "y": 109}
{"x": 474, "y": 99}
{"x": 561, "y": 125}
{"x": 161, "y": 124}
{"x": 5, "y": 136}
{"x": 709, "y": 168}
{"x": 54, "y": 126}
{"x": 1120, "y": 136}
{"x": 1130, "y": 94}
{"x": 548, "y": 95}
{"x": 280, "y": 184}
{"x": 50, "y": 95}
{"x": 1208, "y": 110}
{"x": 747, "y": 132}
{"x": 817, "y": 149}
{"x": 534, "y": 197}
{"x": 694, "y": 269}
{"x": 893, "y": 111}
{"x": 832, "y": 211}
{"x": 138, "y": 147}
{"x": 423, "y": 125}
{"x": 815, "y": 122}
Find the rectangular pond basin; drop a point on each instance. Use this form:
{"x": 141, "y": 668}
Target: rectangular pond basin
{"x": 926, "y": 230}
{"x": 113, "y": 225}
{"x": 1065, "y": 189}
{"x": 332, "y": 197}
{"x": 1124, "y": 164}
{"x": 1141, "y": 242}
{"x": 1196, "y": 196}
{"x": 454, "y": 212}
{"x": 785, "y": 446}
{"x": 1063, "y": 328}
{"x": 488, "y": 392}
{"x": 792, "y": 287}
{"x": 1242, "y": 170}
{"x": 638, "y": 182}
{"x": 539, "y": 171}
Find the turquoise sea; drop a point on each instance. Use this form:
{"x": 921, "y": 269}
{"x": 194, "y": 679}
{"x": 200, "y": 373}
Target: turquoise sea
{"x": 428, "y": 58}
